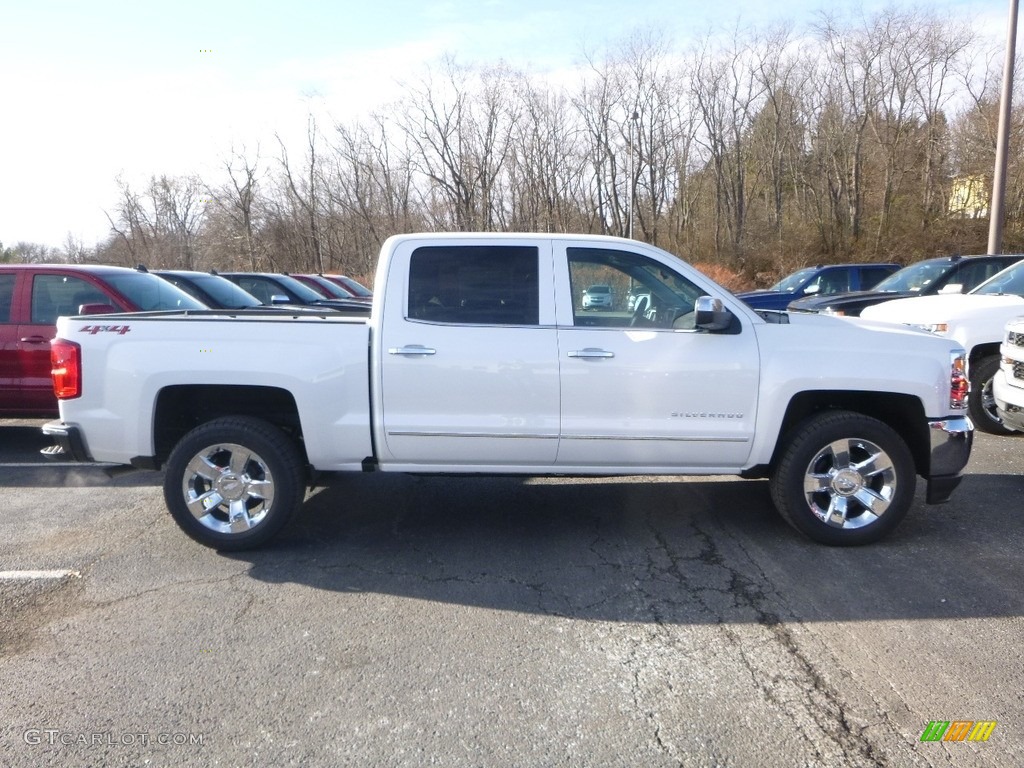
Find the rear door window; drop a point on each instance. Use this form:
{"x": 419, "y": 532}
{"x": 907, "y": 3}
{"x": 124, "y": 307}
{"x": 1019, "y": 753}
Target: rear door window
{"x": 475, "y": 285}
{"x": 54, "y": 296}
{"x": 974, "y": 273}
{"x": 834, "y": 281}
{"x": 872, "y": 276}
{"x": 6, "y": 297}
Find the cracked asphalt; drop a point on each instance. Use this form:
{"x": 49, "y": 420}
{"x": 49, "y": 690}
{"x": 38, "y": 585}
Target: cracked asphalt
{"x": 410, "y": 621}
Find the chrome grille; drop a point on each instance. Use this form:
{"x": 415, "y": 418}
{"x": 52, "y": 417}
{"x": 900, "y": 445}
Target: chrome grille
{"x": 1014, "y": 338}
{"x": 1018, "y": 371}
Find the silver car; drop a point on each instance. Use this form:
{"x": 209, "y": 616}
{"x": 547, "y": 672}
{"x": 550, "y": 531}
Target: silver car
{"x": 597, "y": 296}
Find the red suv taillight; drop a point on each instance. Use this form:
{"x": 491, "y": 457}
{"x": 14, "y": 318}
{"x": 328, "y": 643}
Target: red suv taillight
{"x": 66, "y": 369}
{"x": 959, "y": 384}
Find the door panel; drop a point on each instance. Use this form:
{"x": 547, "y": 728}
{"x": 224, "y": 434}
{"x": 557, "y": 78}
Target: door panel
{"x": 643, "y": 388}
{"x": 52, "y": 295}
{"x": 8, "y": 342}
{"x": 469, "y": 376}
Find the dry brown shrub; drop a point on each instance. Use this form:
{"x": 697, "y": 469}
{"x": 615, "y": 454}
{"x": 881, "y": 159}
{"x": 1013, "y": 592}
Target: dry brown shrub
{"x": 725, "y": 277}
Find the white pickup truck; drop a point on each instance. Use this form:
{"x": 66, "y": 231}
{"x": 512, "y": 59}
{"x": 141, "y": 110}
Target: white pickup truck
{"x": 975, "y": 320}
{"x": 478, "y": 357}
{"x": 1008, "y": 382}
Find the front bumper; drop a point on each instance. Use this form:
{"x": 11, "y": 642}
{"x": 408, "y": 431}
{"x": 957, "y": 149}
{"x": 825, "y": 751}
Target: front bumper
{"x": 1012, "y": 413}
{"x": 950, "y": 448}
{"x": 69, "y": 442}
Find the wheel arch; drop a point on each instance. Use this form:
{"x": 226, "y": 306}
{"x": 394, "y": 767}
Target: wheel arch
{"x": 981, "y": 351}
{"x": 903, "y": 413}
{"x": 181, "y": 408}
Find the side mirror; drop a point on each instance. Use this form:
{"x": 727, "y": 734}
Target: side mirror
{"x": 279, "y": 298}
{"x": 812, "y": 289}
{"x": 951, "y": 288}
{"x": 712, "y": 315}
{"x": 96, "y": 309}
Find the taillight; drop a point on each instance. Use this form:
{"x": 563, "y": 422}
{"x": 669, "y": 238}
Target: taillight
{"x": 66, "y": 369}
{"x": 958, "y": 381}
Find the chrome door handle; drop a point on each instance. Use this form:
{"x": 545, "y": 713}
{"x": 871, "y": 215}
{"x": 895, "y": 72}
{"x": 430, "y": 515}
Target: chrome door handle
{"x": 591, "y": 353}
{"x": 412, "y": 349}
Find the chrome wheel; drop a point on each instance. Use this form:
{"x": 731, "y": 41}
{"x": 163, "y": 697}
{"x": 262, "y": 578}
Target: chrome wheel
{"x": 843, "y": 478}
{"x": 850, "y": 483}
{"x": 988, "y": 401}
{"x": 228, "y": 488}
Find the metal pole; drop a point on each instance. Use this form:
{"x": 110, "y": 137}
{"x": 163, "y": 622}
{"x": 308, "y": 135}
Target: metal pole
{"x": 997, "y": 214}
{"x": 629, "y": 182}
{"x": 633, "y": 187}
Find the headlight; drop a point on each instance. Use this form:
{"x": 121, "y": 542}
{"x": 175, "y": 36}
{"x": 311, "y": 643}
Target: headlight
{"x": 832, "y": 311}
{"x": 931, "y": 327}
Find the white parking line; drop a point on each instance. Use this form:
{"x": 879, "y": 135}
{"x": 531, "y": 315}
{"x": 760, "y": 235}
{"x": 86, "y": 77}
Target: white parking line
{"x": 27, "y": 575}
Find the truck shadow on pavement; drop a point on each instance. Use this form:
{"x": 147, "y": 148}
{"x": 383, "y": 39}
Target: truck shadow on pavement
{"x": 22, "y": 465}
{"x": 664, "y": 551}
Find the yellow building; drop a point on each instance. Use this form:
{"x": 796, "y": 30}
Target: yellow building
{"x": 969, "y": 197}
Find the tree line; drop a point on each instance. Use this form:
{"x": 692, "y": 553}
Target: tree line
{"x": 750, "y": 153}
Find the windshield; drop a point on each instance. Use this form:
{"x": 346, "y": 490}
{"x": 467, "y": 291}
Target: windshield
{"x": 224, "y": 292}
{"x": 794, "y": 281}
{"x": 356, "y": 287}
{"x": 1009, "y": 281}
{"x": 328, "y": 289}
{"x": 914, "y": 278}
{"x": 149, "y": 292}
{"x": 303, "y": 292}
{"x": 599, "y": 289}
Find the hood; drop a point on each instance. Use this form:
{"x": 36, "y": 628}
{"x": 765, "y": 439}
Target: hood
{"x": 835, "y": 327}
{"x": 818, "y": 303}
{"x": 940, "y": 309}
{"x": 815, "y": 351}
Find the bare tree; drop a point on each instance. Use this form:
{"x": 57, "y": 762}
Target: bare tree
{"x": 238, "y": 201}
{"x": 727, "y": 96}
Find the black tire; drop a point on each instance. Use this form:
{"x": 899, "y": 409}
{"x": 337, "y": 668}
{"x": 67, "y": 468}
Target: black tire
{"x": 248, "y": 468}
{"x": 834, "y": 449}
{"x": 980, "y": 403}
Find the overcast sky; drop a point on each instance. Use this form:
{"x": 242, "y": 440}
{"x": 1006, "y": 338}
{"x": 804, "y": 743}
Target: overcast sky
{"x": 94, "y": 89}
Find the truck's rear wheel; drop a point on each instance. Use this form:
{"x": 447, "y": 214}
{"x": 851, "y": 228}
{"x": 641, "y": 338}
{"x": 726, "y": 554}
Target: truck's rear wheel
{"x": 981, "y": 403}
{"x": 234, "y": 482}
{"x": 843, "y": 479}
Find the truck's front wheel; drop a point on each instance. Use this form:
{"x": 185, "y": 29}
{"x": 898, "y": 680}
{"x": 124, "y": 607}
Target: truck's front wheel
{"x": 843, "y": 478}
{"x": 233, "y": 482}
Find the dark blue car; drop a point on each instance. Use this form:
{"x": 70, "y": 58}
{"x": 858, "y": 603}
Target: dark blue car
{"x": 819, "y": 281}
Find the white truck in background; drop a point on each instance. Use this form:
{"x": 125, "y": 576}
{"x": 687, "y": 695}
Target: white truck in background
{"x": 975, "y": 320}
{"x": 478, "y": 357}
{"x": 1008, "y": 382}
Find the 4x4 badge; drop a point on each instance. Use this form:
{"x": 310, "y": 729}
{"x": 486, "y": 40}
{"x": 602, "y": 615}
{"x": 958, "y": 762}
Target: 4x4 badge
{"x": 94, "y": 329}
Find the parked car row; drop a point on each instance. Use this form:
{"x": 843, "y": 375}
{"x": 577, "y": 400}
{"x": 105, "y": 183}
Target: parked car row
{"x": 970, "y": 299}
{"x": 977, "y": 321}
{"x": 33, "y": 296}
{"x": 948, "y": 274}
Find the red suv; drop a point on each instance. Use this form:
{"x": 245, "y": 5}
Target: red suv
{"x": 33, "y": 296}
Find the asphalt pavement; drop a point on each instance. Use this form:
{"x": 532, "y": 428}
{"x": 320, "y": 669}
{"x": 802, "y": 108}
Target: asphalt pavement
{"x": 408, "y": 621}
